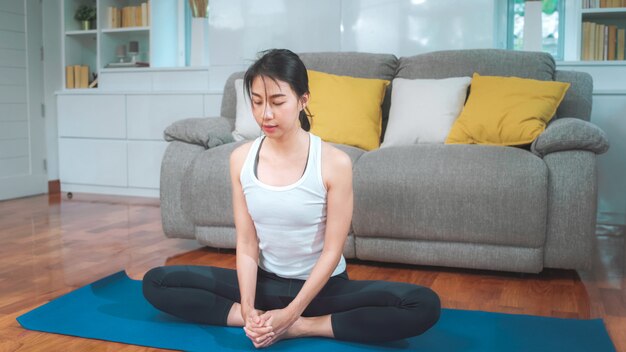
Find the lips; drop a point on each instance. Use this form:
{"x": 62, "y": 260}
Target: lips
{"x": 269, "y": 128}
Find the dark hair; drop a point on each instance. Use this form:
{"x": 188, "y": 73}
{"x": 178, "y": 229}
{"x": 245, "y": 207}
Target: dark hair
{"x": 281, "y": 65}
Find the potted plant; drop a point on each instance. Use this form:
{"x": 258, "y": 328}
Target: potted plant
{"x": 85, "y": 14}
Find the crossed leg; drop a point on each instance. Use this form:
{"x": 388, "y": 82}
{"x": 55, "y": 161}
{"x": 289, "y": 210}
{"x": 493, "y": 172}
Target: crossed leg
{"x": 350, "y": 310}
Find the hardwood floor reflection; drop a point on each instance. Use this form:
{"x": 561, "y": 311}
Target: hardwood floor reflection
{"x": 50, "y": 245}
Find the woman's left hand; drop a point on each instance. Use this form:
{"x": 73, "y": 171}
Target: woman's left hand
{"x": 280, "y": 320}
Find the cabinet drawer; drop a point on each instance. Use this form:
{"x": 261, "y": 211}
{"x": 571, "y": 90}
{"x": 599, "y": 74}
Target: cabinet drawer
{"x": 93, "y": 162}
{"x": 144, "y": 163}
{"x": 149, "y": 115}
{"x": 97, "y": 116}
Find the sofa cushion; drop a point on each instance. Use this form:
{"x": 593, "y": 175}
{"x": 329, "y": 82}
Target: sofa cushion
{"x": 346, "y": 109}
{"x": 362, "y": 65}
{"x": 208, "y": 132}
{"x": 455, "y": 193}
{"x": 246, "y": 126}
{"x": 506, "y": 110}
{"x": 489, "y": 62}
{"x": 570, "y": 134}
{"x": 423, "y": 110}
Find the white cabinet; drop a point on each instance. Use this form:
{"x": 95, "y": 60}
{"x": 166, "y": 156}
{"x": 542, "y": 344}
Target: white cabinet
{"x": 96, "y": 116}
{"x": 112, "y": 143}
{"x": 93, "y": 162}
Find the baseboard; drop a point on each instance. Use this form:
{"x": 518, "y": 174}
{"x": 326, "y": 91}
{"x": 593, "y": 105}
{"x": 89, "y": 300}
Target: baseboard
{"x": 54, "y": 187}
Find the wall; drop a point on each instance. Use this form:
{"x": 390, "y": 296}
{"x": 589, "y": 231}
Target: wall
{"x": 239, "y": 29}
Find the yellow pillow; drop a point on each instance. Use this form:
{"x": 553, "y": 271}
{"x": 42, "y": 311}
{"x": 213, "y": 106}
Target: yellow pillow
{"x": 506, "y": 110}
{"x": 346, "y": 110}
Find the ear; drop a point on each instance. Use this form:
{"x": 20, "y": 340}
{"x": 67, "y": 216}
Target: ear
{"x": 304, "y": 100}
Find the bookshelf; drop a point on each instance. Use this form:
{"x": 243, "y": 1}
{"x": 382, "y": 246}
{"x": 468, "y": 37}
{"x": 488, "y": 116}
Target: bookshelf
{"x": 603, "y": 31}
{"x": 118, "y": 23}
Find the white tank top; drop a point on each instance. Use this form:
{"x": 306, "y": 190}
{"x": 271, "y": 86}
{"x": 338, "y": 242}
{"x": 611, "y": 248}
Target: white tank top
{"x": 290, "y": 221}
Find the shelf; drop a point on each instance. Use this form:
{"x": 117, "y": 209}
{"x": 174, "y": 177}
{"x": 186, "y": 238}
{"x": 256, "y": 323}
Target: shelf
{"x": 609, "y": 92}
{"x": 592, "y": 63}
{"x": 126, "y": 29}
{"x": 604, "y": 13}
{"x": 82, "y": 32}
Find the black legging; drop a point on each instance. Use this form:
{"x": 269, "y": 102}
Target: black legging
{"x": 361, "y": 311}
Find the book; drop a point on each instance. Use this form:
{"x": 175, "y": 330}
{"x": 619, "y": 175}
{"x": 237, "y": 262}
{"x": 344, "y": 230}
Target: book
{"x": 131, "y": 17}
{"x": 620, "y": 43}
{"x": 605, "y": 38}
{"x": 84, "y": 76}
{"x": 69, "y": 77}
{"x": 125, "y": 16}
{"x": 612, "y": 42}
{"x": 138, "y": 21}
{"x": 586, "y": 41}
{"x": 76, "y": 76}
{"x": 144, "y": 14}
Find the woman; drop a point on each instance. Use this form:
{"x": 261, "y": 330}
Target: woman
{"x": 292, "y": 200}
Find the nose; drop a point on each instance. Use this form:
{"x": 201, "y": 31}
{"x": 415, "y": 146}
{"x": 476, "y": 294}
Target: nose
{"x": 267, "y": 112}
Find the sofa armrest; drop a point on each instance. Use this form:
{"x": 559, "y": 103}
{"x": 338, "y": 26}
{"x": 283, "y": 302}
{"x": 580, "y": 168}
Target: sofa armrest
{"x": 208, "y": 132}
{"x": 570, "y": 134}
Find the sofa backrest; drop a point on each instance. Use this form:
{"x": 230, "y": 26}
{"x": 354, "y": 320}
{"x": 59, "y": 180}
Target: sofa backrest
{"x": 443, "y": 64}
{"x": 499, "y": 62}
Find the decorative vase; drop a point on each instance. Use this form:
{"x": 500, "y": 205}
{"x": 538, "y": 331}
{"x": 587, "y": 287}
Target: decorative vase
{"x": 199, "y": 41}
{"x": 84, "y": 25}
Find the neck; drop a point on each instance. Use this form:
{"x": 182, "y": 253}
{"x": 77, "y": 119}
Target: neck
{"x": 289, "y": 143}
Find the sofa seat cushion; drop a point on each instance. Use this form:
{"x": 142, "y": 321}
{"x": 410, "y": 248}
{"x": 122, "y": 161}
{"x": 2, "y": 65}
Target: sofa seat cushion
{"x": 206, "y": 189}
{"x": 459, "y": 193}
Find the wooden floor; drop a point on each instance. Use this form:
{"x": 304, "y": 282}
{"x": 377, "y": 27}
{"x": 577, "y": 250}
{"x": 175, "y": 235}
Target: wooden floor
{"x": 51, "y": 245}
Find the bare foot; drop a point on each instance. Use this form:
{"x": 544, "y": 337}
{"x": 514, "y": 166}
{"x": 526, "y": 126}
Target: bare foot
{"x": 296, "y": 330}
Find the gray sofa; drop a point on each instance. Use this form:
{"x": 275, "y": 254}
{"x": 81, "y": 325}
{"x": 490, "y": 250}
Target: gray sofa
{"x": 471, "y": 206}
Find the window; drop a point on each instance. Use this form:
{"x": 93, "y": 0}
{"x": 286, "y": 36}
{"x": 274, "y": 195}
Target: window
{"x": 552, "y": 19}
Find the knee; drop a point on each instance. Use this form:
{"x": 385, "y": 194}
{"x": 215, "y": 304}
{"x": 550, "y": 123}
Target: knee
{"x": 427, "y": 307}
{"x": 152, "y": 282}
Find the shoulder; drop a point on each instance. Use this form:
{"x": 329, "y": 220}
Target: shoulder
{"x": 238, "y": 156}
{"x": 336, "y": 166}
{"x": 335, "y": 156}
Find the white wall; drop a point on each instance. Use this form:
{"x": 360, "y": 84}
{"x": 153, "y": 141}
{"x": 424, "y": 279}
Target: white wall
{"x": 239, "y": 29}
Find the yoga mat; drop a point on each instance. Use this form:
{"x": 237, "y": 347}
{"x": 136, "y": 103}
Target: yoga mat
{"x": 113, "y": 309}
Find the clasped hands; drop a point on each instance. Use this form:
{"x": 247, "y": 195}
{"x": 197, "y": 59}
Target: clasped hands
{"x": 265, "y": 328}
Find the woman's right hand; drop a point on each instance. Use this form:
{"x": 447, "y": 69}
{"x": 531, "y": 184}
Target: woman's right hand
{"x": 256, "y": 327}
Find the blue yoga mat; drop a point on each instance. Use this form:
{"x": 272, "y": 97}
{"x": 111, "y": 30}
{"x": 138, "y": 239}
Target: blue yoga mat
{"x": 113, "y": 309}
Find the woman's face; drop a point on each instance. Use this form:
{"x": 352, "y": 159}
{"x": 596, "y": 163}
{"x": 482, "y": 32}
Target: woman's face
{"x": 275, "y": 106}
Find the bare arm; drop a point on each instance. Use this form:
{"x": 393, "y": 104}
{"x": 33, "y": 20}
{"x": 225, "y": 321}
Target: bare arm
{"x": 247, "y": 241}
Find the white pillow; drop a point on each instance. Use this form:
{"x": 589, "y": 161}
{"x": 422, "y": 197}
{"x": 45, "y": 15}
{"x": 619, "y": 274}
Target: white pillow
{"x": 423, "y": 110}
{"x": 245, "y": 124}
